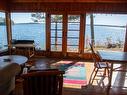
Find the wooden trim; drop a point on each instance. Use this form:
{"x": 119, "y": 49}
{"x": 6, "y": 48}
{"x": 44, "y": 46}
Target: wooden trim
{"x": 64, "y": 40}
{"x": 69, "y": 7}
{"x": 84, "y": 56}
{"x": 125, "y": 44}
{"x": 8, "y": 30}
{"x": 82, "y": 33}
{"x": 48, "y": 34}
{"x": 74, "y": 1}
{"x": 3, "y": 6}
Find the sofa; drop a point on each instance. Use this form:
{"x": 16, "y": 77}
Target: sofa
{"x": 8, "y": 71}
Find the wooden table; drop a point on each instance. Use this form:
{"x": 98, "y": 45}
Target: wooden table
{"x": 13, "y": 59}
{"x": 114, "y": 57}
{"x": 43, "y": 65}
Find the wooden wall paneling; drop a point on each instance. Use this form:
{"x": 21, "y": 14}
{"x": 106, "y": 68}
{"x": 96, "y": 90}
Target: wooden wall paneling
{"x": 3, "y": 6}
{"x": 70, "y": 7}
{"x": 48, "y": 32}
{"x": 73, "y": 55}
{"x": 56, "y": 55}
{"x": 85, "y": 56}
{"x": 40, "y": 54}
{"x": 74, "y": 1}
{"x": 64, "y": 35}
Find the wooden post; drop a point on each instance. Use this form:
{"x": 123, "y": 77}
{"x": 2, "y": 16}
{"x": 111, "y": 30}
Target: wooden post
{"x": 64, "y": 40}
{"x": 56, "y": 35}
{"x": 48, "y": 30}
{"x": 9, "y": 32}
{"x": 82, "y": 34}
{"x": 125, "y": 45}
{"x": 92, "y": 29}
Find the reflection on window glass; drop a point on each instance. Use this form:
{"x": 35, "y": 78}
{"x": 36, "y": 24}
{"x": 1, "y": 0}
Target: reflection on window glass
{"x": 3, "y": 33}
{"x": 108, "y": 31}
{"x": 73, "y": 33}
{"x": 29, "y": 26}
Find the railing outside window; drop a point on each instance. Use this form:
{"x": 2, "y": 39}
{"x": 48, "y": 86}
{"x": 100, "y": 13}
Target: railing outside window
{"x": 109, "y": 31}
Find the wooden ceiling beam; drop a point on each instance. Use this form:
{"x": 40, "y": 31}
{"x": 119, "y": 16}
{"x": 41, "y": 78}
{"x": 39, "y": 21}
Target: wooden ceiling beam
{"x": 69, "y": 7}
{"x": 3, "y": 5}
{"x": 71, "y": 1}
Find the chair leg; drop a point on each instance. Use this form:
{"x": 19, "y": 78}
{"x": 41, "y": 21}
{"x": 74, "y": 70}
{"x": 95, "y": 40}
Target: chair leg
{"x": 108, "y": 73}
{"x": 91, "y": 75}
{"x": 96, "y": 71}
{"x": 104, "y": 74}
{"x": 105, "y": 70}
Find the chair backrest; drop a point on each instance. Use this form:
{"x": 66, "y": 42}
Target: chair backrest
{"x": 22, "y": 41}
{"x": 92, "y": 48}
{"x": 95, "y": 56}
{"x": 43, "y": 83}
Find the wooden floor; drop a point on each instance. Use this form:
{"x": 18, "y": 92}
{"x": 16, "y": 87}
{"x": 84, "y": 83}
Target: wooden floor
{"x": 118, "y": 86}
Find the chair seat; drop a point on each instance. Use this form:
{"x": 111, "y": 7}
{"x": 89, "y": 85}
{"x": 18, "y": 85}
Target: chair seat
{"x": 102, "y": 65}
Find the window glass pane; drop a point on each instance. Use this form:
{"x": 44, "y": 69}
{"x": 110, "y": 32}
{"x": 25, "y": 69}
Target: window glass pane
{"x": 56, "y": 32}
{"x": 73, "y": 26}
{"x": 59, "y": 41}
{"x": 54, "y": 25}
{"x": 73, "y": 33}
{"x": 59, "y": 33}
{"x": 3, "y": 33}
{"x": 73, "y": 41}
{"x": 56, "y": 47}
{"x": 29, "y": 26}
{"x": 72, "y": 48}
{"x": 109, "y": 31}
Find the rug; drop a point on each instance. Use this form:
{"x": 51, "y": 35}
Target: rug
{"x": 75, "y": 73}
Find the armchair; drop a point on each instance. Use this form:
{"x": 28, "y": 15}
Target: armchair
{"x": 8, "y": 71}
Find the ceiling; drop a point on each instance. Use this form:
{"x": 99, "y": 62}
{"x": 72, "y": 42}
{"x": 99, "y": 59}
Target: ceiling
{"x": 74, "y": 1}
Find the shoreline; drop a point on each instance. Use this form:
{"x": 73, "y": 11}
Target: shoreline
{"x": 120, "y": 26}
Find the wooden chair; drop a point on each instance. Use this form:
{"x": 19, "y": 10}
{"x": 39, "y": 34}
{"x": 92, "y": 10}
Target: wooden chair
{"x": 24, "y": 47}
{"x": 104, "y": 67}
{"x": 48, "y": 82}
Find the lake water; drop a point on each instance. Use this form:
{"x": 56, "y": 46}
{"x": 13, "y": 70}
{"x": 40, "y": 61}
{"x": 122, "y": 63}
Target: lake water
{"x": 36, "y": 32}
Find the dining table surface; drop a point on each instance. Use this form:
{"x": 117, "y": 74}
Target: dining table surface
{"x": 113, "y": 57}
{"x": 19, "y": 59}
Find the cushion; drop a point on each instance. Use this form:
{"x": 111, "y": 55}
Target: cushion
{"x": 8, "y": 71}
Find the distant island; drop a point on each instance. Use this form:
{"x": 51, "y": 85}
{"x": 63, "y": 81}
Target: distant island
{"x": 3, "y": 21}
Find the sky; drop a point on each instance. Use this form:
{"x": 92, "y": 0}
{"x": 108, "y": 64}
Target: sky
{"x": 109, "y": 19}
{"x": 21, "y": 17}
{"x": 104, "y": 19}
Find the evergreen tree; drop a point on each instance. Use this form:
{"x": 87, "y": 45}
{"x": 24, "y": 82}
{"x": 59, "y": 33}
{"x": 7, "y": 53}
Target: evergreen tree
{"x": 2, "y": 21}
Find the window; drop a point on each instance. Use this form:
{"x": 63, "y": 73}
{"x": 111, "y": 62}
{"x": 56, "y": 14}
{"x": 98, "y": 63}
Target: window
{"x": 3, "y": 33}
{"x": 73, "y": 33}
{"x": 29, "y": 26}
{"x": 109, "y": 31}
{"x": 56, "y": 32}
